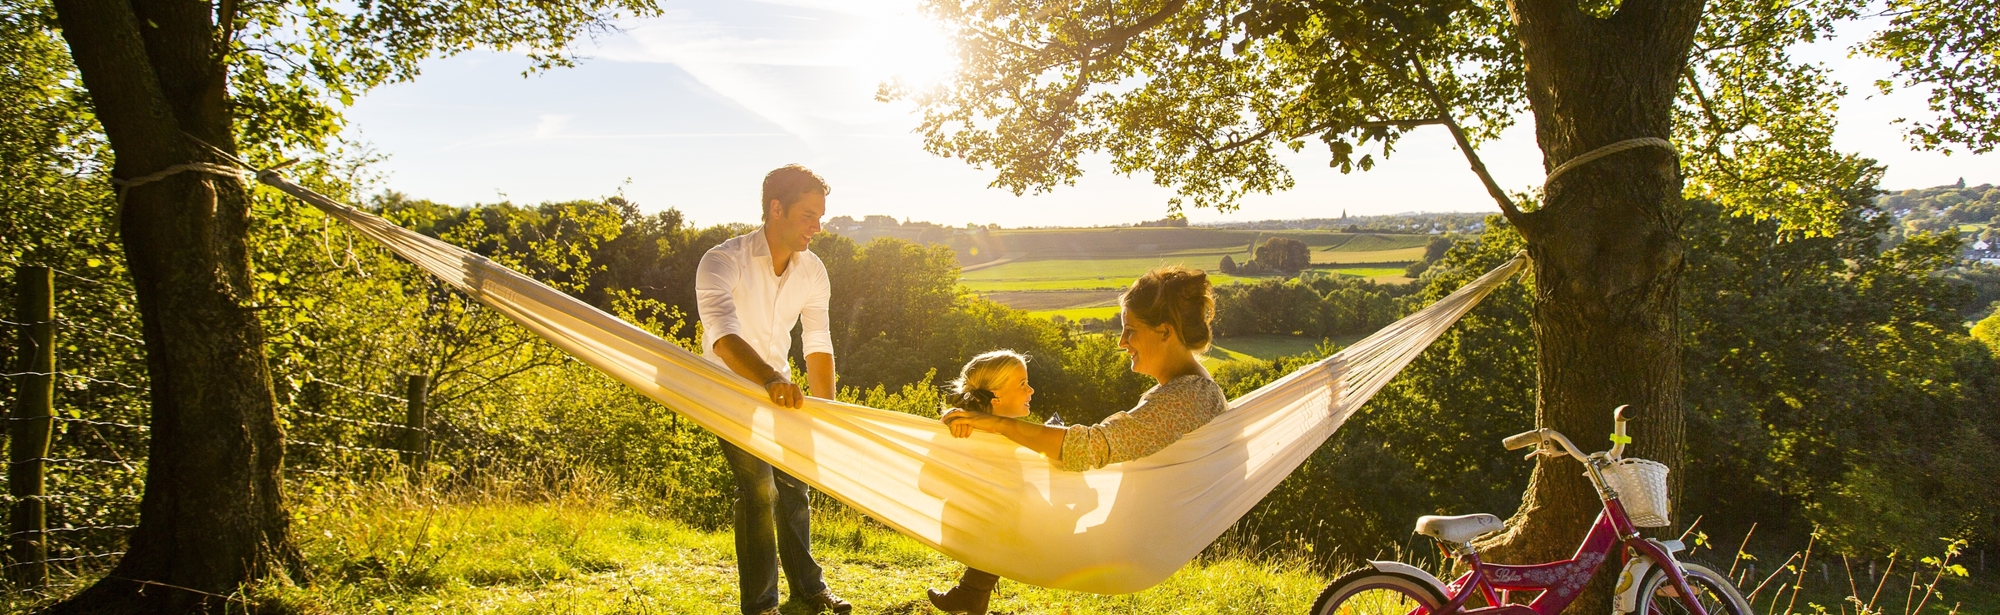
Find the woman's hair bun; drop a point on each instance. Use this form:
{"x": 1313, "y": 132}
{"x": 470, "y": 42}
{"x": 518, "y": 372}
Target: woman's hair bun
{"x": 1178, "y": 296}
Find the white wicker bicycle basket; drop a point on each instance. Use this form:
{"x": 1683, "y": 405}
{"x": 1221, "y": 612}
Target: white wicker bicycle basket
{"x": 1642, "y": 486}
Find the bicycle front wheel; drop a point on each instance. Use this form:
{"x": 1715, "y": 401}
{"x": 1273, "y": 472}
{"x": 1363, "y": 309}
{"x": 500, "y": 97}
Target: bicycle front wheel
{"x": 1658, "y": 596}
{"x": 1373, "y": 592}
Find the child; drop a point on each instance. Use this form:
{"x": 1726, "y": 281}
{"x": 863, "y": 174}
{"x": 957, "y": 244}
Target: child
{"x": 994, "y": 383}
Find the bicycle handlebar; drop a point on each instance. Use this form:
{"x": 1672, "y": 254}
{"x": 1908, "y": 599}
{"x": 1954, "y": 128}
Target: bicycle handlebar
{"x": 1534, "y": 438}
{"x": 1522, "y": 440}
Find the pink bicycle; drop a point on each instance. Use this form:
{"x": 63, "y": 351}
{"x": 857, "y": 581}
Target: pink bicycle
{"x": 1664, "y": 584}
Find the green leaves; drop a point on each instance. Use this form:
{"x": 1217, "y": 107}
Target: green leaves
{"x": 1202, "y": 94}
{"x": 1951, "y": 47}
{"x": 290, "y": 62}
{"x": 1756, "y": 126}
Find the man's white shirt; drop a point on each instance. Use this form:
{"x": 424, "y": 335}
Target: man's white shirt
{"x": 739, "y": 295}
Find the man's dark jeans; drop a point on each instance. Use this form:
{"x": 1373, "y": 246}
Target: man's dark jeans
{"x": 767, "y": 498}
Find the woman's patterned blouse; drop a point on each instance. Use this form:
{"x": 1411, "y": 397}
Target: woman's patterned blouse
{"x": 1163, "y": 415}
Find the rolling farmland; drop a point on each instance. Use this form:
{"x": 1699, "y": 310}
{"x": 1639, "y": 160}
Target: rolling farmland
{"x": 1078, "y": 264}
{"x": 1077, "y": 274}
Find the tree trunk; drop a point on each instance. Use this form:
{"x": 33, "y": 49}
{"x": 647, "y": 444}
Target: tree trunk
{"x": 1607, "y": 256}
{"x": 212, "y": 517}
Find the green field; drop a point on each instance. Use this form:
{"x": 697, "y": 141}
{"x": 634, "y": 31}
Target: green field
{"x": 1106, "y": 312}
{"x": 1087, "y": 275}
{"x": 1269, "y": 347}
{"x": 1263, "y": 347}
{"x": 1114, "y": 242}
{"x": 1337, "y": 257}
{"x": 1065, "y": 259}
{"x": 1371, "y": 272}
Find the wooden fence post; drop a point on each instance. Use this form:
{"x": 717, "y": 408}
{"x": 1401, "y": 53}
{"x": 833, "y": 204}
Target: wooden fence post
{"x": 31, "y": 426}
{"x": 417, "y": 423}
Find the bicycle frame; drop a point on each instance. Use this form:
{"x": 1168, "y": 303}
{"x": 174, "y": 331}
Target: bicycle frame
{"x": 1559, "y": 582}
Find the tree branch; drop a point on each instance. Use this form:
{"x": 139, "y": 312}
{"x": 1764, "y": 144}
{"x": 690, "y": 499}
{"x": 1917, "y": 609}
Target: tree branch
{"x": 1507, "y": 207}
{"x": 1118, "y": 36}
{"x": 1240, "y": 142}
{"x": 1409, "y": 123}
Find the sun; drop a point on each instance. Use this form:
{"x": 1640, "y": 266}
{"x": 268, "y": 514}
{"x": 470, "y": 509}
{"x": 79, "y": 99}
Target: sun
{"x": 901, "y": 45}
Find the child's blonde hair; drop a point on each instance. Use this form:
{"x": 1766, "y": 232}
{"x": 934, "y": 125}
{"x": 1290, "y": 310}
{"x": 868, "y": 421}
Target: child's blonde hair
{"x": 973, "y": 390}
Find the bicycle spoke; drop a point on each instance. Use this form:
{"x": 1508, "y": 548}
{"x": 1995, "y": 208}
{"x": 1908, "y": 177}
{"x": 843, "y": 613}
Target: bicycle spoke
{"x": 1379, "y": 602}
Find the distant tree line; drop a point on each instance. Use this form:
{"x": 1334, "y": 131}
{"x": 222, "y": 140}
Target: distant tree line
{"x": 1405, "y": 224}
{"x": 1321, "y": 307}
{"x": 1276, "y": 255}
{"x": 1173, "y": 221}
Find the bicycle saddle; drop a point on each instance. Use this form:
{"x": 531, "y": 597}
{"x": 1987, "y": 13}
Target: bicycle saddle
{"x": 1458, "y": 529}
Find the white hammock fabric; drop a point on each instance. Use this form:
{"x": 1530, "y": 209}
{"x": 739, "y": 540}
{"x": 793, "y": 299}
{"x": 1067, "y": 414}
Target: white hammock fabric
{"x": 983, "y": 500}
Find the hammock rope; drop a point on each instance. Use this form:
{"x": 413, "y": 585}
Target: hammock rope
{"x": 1607, "y": 150}
{"x": 983, "y": 500}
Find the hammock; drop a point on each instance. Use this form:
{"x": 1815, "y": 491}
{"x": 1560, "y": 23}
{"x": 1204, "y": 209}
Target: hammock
{"x": 983, "y": 500}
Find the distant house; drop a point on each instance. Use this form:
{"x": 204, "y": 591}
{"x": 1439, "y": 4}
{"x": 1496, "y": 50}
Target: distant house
{"x": 1983, "y": 252}
{"x": 842, "y": 225}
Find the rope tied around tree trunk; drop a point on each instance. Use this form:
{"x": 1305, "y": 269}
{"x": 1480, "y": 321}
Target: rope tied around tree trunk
{"x": 242, "y": 171}
{"x": 1607, "y": 150}
{"x": 204, "y": 167}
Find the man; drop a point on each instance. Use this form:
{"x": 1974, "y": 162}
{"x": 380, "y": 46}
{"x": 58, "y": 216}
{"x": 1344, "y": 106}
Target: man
{"x": 752, "y": 289}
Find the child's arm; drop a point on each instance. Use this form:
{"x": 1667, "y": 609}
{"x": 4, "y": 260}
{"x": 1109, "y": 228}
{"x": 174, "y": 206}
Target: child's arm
{"x": 1039, "y": 438}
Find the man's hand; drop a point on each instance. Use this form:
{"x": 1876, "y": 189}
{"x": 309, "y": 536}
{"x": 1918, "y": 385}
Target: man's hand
{"x": 741, "y": 359}
{"x": 784, "y": 393}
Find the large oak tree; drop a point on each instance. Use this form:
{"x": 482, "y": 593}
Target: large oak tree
{"x": 177, "y": 83}
{"x": 1204, "y": 94}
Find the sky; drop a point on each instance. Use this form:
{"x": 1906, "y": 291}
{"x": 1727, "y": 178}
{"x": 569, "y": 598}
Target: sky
{"x": 689, "y": 110}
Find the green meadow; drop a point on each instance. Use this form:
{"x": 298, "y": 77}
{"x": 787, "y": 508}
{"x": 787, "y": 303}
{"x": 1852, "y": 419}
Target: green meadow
{"x": 392, "y": 549}
{"x": 1050, "y": 262}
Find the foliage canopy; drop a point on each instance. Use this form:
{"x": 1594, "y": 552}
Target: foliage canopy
{"x": 1206, "y": 95}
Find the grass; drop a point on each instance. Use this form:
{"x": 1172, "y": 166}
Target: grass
{"x": 396, "y": 549}
{"x": 386, "y": 551}
{"x": 498, "y": 548}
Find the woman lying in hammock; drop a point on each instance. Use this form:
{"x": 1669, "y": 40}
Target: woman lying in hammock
{"x": 1165, "y": 315}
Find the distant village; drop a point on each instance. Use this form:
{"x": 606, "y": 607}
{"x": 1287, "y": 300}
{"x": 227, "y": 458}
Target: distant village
{"x": 1972, "y": 212}
{"x": 1983, "y": 252}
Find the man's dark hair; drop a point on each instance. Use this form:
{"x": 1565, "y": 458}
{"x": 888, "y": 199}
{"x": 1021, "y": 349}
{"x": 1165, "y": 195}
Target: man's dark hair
{"x": 786, "y": 184}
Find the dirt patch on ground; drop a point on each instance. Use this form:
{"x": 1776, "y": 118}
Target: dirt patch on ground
{"x": 1053, "y": 299}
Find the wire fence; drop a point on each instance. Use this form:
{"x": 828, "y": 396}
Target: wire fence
{"x": 100, "y": 428}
